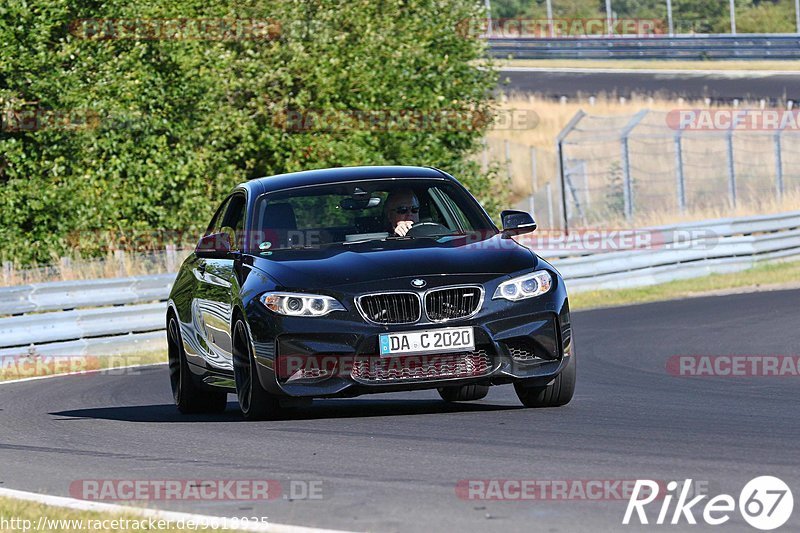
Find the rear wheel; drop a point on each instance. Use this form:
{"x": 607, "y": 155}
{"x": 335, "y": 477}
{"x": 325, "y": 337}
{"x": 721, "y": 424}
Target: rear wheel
{"x": 466, "y": 393}
{"x": 559, "y": 392}
{"x": 189, "y": 398}
{"x": 254, "y": 401}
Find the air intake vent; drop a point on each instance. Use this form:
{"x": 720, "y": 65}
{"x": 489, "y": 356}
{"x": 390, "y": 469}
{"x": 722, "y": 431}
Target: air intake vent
{"x": 421, "y": 368}
{"x": 391, "y": 307}
{"x": 452, "y": 303}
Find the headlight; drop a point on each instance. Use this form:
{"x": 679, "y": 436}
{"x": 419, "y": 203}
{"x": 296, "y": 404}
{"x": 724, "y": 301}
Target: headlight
{"x": 296, "y": 304}
{"x": 527, "y": 286}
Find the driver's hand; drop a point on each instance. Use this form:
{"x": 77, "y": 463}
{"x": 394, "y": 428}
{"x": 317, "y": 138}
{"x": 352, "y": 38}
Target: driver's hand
{"x": 403, "y": 226}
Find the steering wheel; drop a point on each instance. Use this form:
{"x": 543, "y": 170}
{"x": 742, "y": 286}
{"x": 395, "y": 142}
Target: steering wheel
{"x": 427, "y": 229}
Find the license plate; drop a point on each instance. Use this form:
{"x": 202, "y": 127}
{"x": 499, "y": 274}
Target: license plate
{"x": 445, "y": 340}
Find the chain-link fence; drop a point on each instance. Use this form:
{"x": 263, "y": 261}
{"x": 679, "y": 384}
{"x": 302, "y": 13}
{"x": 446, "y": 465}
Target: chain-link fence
{"x": 655, "y": 166}
{"x": 531, "y": 175}
{"x": 652, "y": 167}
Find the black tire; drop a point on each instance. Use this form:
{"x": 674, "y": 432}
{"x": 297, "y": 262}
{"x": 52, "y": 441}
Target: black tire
{"x": 254, "y": 401}
{"x": 559, "y": 392}
{"x": 466, "y": 393}
{"x": 189, "y": 398}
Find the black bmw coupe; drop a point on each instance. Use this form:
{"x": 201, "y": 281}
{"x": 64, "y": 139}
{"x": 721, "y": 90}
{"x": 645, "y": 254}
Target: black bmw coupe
{"x": 348, "y": 281}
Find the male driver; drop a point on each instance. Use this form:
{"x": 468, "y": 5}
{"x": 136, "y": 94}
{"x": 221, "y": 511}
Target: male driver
{"x": 401, "y": 210}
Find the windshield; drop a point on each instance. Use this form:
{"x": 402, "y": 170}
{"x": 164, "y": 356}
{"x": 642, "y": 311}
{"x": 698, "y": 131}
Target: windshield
{"x": 361, "y": 211}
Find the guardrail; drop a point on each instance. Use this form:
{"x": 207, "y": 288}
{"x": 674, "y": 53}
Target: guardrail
{"x": 752, "y": 46}
{"x": 86, "y": 317}
{"x": 62, "y": 295}
{"x": 70, "y": 317}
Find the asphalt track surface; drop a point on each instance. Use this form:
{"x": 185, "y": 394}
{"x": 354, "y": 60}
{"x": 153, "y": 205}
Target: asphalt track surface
{"x": 719, "y": 86}
{"x": 391, "y": 462}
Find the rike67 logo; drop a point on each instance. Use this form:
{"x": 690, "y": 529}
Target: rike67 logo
{"x": 765, "y": 503}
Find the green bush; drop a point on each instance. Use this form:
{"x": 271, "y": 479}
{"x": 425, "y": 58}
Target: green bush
{"x": 162, "y": 129}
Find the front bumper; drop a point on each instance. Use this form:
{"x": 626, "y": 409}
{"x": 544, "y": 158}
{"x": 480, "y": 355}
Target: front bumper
{"x": 337, "y": 355}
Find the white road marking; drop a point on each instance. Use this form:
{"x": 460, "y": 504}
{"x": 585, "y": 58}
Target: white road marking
{"x": 209, "y": 521}
{"x": 78, "y": 373}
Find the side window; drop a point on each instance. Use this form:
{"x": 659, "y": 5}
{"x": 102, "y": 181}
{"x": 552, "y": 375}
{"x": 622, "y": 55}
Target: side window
{"x": 463, "y": 221}
{"x": 233, "y": 220}
{"x": 216, "y": 221}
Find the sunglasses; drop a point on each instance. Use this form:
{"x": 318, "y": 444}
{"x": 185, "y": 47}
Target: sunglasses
{"x": 403, "y": 209}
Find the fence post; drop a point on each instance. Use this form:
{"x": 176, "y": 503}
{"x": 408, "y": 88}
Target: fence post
{"x": 679, "y": 173}
{"x": 626, "y": 164}
{"x": 119, "y": 255}
{"x": 172, "y": 258}
{"x": 731, "y": 170}
{"x": 778, "y": 166}
{"x": 508, "y": 159}
{"x": 549, "y": 192}
{"x": 8, "y": 271}
{"x": 560, "y": 161}
{"x": 670, "y": 26}
{"x": 65, "y": 266}
{"x": 587, "y": 196}
{"x": 569, "y": 170}
{"x": 533, "y": 178}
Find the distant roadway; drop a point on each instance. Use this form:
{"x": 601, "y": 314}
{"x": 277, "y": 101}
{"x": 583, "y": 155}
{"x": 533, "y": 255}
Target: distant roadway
{"x": 719, "y": 85}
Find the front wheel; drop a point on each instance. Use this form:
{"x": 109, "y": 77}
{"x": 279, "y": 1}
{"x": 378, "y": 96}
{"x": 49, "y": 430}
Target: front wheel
{"x": 254, "y": 401}
{"x": 189, "y": 398}
{"x": 559, "y": 392}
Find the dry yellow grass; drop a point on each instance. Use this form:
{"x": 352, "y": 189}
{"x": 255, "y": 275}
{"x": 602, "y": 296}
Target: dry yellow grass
{"x": 76, "y": 267}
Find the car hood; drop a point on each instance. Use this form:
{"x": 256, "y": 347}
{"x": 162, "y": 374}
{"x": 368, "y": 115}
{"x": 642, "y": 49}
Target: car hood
{"x": 345, "y": 264}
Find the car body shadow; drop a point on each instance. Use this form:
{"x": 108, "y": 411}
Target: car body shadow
{"x": 320, "y": 409}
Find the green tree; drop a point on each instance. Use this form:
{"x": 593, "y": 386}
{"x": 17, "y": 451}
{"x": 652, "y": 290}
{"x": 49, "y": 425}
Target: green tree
{"x": 179, "y": 122}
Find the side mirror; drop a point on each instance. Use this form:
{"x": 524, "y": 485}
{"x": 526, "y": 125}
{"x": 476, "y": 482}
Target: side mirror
{"x": 517, "y": 222}
{"x": 214, "y": 246}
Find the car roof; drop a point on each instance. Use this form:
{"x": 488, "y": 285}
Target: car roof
{"x": 332, "y": 175}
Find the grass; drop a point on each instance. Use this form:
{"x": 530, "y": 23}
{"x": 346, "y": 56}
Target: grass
{"x": 20, "y": 515}
{"x": 655, "y": 65}
{"x": 117, "y": 264}
{"x": 35, "y": 365}
{"x": 763, "y": 277}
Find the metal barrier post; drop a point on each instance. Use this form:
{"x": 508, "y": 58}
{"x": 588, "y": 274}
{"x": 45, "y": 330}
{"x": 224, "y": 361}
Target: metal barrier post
{"x": 670, "y": 26}
{"x": 778, "y": 165}
{"x": 560, "y": 160}
{"x": 797, "y": 14}
{"x": 731, "y": 170}
{"x": 508, "y": 160}
{"x": 626, "y": 163}
{"x": 533, "y": 177}
{"x": 679, "y": 173}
